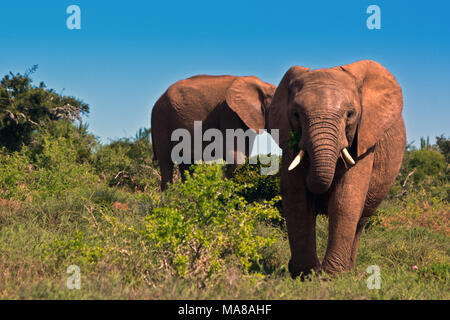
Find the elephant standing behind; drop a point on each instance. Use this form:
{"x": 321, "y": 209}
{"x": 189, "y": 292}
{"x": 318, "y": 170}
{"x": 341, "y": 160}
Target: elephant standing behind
{"x": 348, "y": 151}
{"x": 220, "y": 102}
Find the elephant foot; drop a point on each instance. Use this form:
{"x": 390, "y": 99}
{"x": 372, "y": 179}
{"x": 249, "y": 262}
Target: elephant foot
{"x": 331, "y": 268}
{"x": 302, "y": 272}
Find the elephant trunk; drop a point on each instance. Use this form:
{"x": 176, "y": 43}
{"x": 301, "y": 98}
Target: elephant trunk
{"x": 323, "y": 150}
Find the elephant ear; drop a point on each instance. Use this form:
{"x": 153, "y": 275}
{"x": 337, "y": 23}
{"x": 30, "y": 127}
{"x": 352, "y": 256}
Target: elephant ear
{"x": 278, "y": 109}
{"x": 245, "y": 96}
{"x": 381, "y": 101}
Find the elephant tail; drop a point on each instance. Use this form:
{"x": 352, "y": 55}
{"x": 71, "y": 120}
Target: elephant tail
{"x": 155, "y": 158}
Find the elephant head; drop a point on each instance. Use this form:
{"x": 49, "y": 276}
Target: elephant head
{"x": 249, "y": 98}
{"x": 336, "y": 112}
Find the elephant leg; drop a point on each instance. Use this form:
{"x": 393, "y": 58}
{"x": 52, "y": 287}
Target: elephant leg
{"x": 371, "y": 204}
{"x": 345, "y": 208}
{"x": 359, "y": 230}
{"x": 230, "y": 170}
{"x": 236, "y": 146}
{"x": 183, "y": 168}
{"x": 238, "y": 159}
{"x": 166, "y": 173}
{"x": 388, "y": 156}
{"x": 300, "y": 217}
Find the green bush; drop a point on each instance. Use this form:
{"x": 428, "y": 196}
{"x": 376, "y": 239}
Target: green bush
{"x": 43, "y": 152}
{"x": 424, "y": 171}
{"x": 51, "y": 172}
{"x": 75, "y": 249}
{"x": 15, "y": 178}
{"x": 128, "y": 163}
{"x": 257, "y": 187}
{"x": 81, "y": 141}
{"x": 443, "y": 145}
{"x": 202, "y": 223}
{"x": 425, "y": 163}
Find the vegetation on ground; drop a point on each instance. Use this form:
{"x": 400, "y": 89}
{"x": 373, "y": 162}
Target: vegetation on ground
{"x": 66, "y": 199}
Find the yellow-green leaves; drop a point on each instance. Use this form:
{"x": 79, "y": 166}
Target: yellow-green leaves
{"x": 201, "y": 224}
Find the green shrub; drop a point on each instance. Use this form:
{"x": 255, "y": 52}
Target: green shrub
{"x": 82, "y": 143}
{"x": 75, "y": 249}
{"x": 128, "y": 163}
{"x": 257, "y": 187}
{"x": 14, "y": 178}
{"x": 423, "y": 170}
{"x": 426, "y": 163}
{"x": 52, "y": 172}
{"x": 443, "y": 145}
{"x": 43, "y": 153}
{"x": 202, "y": 223}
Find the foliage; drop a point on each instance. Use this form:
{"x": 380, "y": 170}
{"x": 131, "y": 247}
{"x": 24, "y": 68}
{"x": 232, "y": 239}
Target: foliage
{"x": 294, "y": 139}
{"x": 25, "y": 108}
{"x": 424, "y": 169}
{"x": 43, "y": 152}
{"x": 202, "y": 223}
{"x": 128, "y": 162}
{"x": 75, "y": 249}
{"x": 438, "y": 271}
{"x": 257, "y": 187}
{"x": 425, "y": 163}
{"x": 38, "y": 241}
{"x": 53, "y": 171}
{"x": 443, "y": 145}
{"x": 63, "y": 202}
{"x": 81, "y": 141}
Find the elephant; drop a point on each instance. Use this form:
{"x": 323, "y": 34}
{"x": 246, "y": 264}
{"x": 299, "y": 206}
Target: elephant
{"x": 221, "y": 103}
{"x": 343, "y": 138}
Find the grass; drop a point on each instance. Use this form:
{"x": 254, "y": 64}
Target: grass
{"x": 39, "y": 240}
{"x": 66, "y": 199}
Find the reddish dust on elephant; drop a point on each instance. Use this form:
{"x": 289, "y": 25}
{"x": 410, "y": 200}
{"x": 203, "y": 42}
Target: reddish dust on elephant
{"x": 349, "y": 149}
{"x": 342, "y": 136}
{"x": 219, "y": 102}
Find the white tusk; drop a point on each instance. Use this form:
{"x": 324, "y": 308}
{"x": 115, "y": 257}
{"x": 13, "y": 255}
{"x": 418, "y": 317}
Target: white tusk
{"x": 296, "y": 160}
{"x": 347, "y": 156}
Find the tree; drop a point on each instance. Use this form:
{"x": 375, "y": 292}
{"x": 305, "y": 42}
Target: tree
{"x": 25, "y": 108}
{"x": 425, "y": 144}
{"x": 443, "y": 145}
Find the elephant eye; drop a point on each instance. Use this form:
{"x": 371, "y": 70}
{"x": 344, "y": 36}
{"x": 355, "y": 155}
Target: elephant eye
{"x": 350, "y": 113}
{"x": 296, "y": 115}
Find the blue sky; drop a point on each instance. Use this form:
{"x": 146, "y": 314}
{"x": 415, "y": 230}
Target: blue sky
{"x": 128, "y": 52}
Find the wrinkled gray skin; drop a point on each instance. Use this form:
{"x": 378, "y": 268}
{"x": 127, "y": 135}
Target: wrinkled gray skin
{"x": 358, "y": 107}
{"x": 220, "y": 102}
